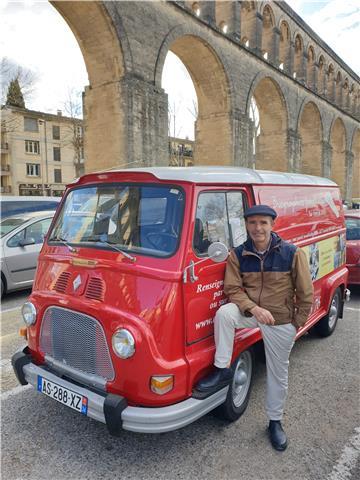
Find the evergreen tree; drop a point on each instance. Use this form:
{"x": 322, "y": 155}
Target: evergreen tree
{"x": 14, "y": 94}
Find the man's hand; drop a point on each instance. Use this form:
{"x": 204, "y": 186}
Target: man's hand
{"x": 262, "y": 315}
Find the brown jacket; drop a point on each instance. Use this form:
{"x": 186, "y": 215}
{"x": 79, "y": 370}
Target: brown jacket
{"x": 280, "y": 282}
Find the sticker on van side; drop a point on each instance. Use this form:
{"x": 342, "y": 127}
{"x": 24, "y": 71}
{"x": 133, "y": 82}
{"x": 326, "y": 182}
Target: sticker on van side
{"x": 325, "y": 256}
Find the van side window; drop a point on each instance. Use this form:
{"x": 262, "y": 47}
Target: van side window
{"x": 219, "y": 218}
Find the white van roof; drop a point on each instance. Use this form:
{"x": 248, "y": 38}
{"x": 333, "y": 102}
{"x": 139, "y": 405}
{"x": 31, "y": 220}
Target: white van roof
{"x": 223, "y": 174}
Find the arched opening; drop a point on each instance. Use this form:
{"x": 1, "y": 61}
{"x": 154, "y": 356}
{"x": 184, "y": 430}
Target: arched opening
{"x": 213, "y": 128}
{"x": 338, "y": 143}
{"x": 321, "y": 76}
{"x": 330, "y": 83}
{"x": 284, "y": 47}
{"x": 310, "y": 69}
{"x": 271, "y": 145}
{"x": 182, "y": 111}
{"x": 310, "y": 129}
{"x": 267, "y": 46}
{"x": 299, "y": 58}
{"x": 92, "y": 26}
{"x": 248, "y": 23}
{"x": 355, "y": 190}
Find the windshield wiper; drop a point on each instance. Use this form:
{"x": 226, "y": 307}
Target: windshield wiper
{"x": 103, "y": 239}
{"x": 64, "y": 241}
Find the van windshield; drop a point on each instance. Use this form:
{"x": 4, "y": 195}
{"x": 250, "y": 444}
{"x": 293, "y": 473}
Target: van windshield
{"x": 142, "y": 219}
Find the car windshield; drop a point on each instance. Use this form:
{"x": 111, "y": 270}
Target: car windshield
{"x": 136, "y": 218}
{"x": 352, "y": 228}
{"x": 9, "y": 224}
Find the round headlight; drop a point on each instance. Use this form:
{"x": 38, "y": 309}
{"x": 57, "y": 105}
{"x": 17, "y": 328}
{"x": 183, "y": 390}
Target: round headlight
{"x": 123, "y": 343}
{"x": 29, "y": 313}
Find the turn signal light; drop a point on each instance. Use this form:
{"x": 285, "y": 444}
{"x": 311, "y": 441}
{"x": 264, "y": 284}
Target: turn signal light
{"x": 23, "y": 332}
{"x": 162, "y": 384}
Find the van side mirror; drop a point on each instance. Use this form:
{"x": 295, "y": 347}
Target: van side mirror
{"x": 217, "y": 251}
{"x": 26, "y": 241}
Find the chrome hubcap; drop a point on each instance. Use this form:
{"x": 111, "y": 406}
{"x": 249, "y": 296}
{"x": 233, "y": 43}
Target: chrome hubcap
{"x": 333, "y": 313}
{"x": 242, "y": 378}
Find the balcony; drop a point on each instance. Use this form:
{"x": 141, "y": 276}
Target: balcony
{"x": 6, "y": 189}
{"x": 4, "y": 169}
{"x": 4, "y": 147}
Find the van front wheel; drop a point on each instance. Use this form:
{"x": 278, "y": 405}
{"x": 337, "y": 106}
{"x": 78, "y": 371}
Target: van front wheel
{"x": 239, "y": 389}
{"x": 327, "y": 324}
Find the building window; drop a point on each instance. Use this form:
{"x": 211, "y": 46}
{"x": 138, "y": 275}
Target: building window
{"x": 57, "y": 154}
{"x": 33, "y": 170}
{"x": 32, "y": 146}
{"x": 31, "y": 124}
{"x": 56, "y": 132}
{"x": 57, "y": 175}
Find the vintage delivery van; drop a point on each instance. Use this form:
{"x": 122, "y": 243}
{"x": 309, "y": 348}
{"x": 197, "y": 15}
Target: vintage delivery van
{"x": 120, "y": 320}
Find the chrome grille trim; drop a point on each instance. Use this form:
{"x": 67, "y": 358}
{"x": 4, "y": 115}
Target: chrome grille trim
{"x": 75, "y": 344}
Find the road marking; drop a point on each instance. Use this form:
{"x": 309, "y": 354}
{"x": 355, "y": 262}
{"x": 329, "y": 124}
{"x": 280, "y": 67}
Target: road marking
{"x": 14, "y": 391}
{"x": 10, "y": 309}
{"x": 347, "y": 461}
{"x": 352, "y": 309}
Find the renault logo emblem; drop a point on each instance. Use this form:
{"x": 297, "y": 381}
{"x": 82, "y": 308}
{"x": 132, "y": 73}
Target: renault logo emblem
{"x": 77, "y": 282}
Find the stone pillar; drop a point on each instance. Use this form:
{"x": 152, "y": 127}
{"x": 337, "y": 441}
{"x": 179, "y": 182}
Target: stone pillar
{"x": 235, "y": 21}
{"x": 303, "y": 68}
{"x": 274, "y": 55}
{"x": 243, "y": 140}
{"x": 315, "y": 78}
{"x": 294, "y": 151}
{"x": 208, "y": 11}
{"x": 349, "y": 166}
{"x": 257, "y": 41}
{"x": 146, "y": 110}
{"x": 289, "y": 67}
{"x": 326, "y": 160}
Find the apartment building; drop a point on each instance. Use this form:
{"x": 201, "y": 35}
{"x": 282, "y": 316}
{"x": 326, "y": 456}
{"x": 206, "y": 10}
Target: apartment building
{"x": 40, "y": 152}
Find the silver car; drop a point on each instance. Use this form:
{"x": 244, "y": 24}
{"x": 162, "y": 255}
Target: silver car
{"x": 22, "y": 237}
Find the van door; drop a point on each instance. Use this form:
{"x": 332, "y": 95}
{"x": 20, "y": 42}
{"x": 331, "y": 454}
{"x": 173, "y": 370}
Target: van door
{"x": 218, "y": 218}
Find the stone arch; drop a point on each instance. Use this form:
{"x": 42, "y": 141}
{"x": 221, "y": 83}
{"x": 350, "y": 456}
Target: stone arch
{"x": 267, "y": 44}
{"x": 284, "y": 46}
{"x": 338, "y": 144}
{"x": 299, "y": 57}
{"x": 91, "y": 25}
{"x": 248, "y": 23}
{"x": 310, "y": 68}
{"x": 213, "y": 131}
{"x": 271, "y": 145}
{"x": 311, "y": 133}
{"x": 321, "y": 76}
{"x": 355, "y": 149}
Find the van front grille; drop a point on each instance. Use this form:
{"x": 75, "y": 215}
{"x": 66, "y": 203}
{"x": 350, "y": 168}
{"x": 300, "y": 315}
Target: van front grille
{"x": 76, "y": 341}
{"x": 62, "y": 282}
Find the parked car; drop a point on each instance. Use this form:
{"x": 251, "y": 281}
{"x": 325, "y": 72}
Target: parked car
{"x": 22, "y": 237}
{"x": 352, "y": 220}
{"x": 15, "y": 205}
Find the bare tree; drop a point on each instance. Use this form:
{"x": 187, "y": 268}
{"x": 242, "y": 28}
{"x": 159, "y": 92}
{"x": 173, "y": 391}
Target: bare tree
{"x": 74, "y": 132}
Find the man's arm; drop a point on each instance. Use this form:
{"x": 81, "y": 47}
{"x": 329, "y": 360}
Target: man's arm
{"x": 304, "y": 290}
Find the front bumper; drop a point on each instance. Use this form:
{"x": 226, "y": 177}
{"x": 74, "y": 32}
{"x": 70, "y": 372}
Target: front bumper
{"x": 113, "y": 409}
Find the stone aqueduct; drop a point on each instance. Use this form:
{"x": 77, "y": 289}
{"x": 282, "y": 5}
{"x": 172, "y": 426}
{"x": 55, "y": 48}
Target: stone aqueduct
{"x": 308, "y": 98}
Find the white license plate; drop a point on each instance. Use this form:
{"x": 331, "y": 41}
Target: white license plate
{"x": 63, "y": 395}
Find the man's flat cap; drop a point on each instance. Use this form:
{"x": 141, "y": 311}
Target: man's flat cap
{"x": 260, "y": 210}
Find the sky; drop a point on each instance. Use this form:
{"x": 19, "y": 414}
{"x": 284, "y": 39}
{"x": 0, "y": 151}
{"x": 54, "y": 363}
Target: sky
{"x": 34, "y": 35}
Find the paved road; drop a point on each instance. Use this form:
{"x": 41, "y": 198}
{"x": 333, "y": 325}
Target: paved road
{"x": 42, "y": 439}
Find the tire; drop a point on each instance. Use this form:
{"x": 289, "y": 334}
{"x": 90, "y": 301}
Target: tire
{"x": 326, "y": 326}
{"x": 239, "y": 390}
{"x": 2, "y": 288}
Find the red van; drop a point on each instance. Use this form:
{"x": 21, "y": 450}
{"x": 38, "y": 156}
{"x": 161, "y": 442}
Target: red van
{"x": 120, "y": 320}
{"x": 352, "y": 220}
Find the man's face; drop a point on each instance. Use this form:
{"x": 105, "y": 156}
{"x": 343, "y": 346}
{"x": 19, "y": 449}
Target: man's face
{"x": 259, "y": 228}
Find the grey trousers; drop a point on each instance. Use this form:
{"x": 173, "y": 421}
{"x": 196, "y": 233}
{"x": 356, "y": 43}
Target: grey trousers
{"x": 278, "y": 342}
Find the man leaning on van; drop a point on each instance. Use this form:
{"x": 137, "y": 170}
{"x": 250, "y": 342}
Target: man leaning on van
{"x": 262, "y": 265}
